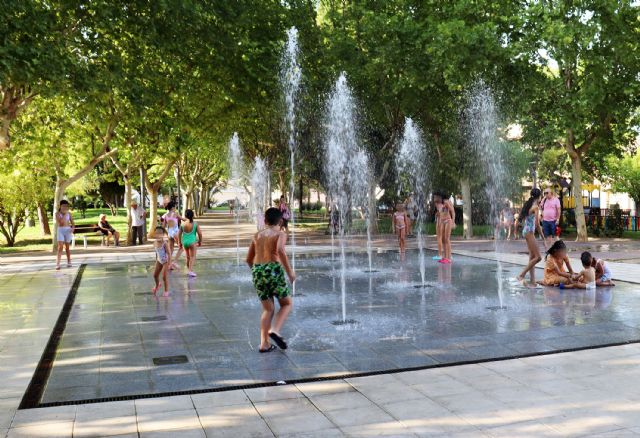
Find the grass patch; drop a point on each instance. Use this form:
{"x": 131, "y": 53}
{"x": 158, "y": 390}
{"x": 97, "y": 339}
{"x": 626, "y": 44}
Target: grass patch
{"x": 31, "y": 239}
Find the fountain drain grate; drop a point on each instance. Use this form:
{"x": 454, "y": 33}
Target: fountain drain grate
{"x": 170, "y": 360}
{"x": 345, "y": 322}
{"x": 496, "y": 308}
{"x": 153, "y": 318}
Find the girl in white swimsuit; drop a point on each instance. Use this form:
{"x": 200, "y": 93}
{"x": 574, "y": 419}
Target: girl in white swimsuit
{"x": 172, "y": 221}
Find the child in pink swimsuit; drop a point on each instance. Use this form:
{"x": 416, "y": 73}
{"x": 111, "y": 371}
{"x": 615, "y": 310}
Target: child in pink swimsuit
{"x": 400, "y": 221}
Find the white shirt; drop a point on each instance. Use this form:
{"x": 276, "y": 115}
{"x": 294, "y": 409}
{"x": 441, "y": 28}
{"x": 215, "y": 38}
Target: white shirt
{"x": 137, "y": 216}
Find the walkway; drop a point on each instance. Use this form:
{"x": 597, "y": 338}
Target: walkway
{"x": 576, "y": 394}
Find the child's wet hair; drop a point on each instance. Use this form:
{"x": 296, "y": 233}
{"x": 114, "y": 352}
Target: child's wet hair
{"x": 558, "y": 245}
{"x": 272, "y": 216}
{"x": 171, "y": 205}
{"x": 586, "y": 259}
{"x": 64, "y": 202}
{"x": 159, "y": 228}
{"x": 189, "y": 215}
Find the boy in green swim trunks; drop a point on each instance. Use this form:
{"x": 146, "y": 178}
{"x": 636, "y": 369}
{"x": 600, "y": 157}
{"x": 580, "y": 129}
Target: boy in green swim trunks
{"x": 269, "y": 262}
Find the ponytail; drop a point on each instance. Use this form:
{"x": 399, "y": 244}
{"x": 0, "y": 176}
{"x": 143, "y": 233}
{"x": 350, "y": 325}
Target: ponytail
{"x": 534, "y": 195}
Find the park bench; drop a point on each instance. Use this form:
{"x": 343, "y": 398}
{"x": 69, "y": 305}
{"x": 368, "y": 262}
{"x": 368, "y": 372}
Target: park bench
{"x": 84, "y": 230}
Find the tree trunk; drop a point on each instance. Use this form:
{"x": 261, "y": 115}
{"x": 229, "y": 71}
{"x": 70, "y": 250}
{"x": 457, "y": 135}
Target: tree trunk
{"x": 43, "y": 218}
{"x": 300, "y": 187}
{"x": 467, "y": 224}
{"x": 371, "y": 207}
{"x": 128, "y": 195}
{"x": 153, "y": 211}
{"x": 186, "y": 201}
{"x": 5, "y": 139}
{"x": 576, "y": 173}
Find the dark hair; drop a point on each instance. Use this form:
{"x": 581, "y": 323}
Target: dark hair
{"x": 171, "y": 205}
{"x": 159, "y": 228}
{"x": 272, "y": 216}
{"x": 189, "y": 215}
{"x": 586, "y": 258}
{"x": 557, "y": 246}
{"x": 441, "y": 194}
{"x": 534, "y": 194}
{"x": 64, "y": 202}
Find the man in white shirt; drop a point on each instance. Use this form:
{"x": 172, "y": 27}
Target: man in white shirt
{"x": 137, "y": 222}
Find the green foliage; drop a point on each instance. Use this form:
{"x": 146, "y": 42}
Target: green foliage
{"x": 625, "y": 175}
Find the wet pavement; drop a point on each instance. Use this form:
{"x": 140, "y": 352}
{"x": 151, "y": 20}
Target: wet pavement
{"x": 118, "y": 334}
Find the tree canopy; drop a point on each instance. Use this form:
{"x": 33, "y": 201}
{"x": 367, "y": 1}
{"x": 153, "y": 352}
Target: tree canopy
{"x": 162, "y": 85}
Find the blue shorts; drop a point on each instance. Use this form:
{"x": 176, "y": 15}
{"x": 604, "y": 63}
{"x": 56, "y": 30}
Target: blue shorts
{"x": 549, "y": 228}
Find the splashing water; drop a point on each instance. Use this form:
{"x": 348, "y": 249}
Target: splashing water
{"x": 260, "y": 187}
{"x": 346, "y": 166}
{"x": 290, "y": 78}
{"x": 481, "y": 124}
{"x": 236, "y": 168}
{"x": 410, "y": 163}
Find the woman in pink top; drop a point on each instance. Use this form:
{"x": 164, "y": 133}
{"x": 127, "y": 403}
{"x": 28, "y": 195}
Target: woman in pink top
{"x": 550, "y": 208}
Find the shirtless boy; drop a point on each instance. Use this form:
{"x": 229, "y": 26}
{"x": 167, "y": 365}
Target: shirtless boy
{"x": 269, "y": 262}
{"x": 587, "y": 278}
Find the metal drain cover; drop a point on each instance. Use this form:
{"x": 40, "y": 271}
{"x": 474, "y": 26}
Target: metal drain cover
{"x": 170, "y": 360}
{"x": 153, "y": 318}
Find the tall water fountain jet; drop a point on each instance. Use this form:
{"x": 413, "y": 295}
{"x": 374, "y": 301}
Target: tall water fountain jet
{"x": 481, "y": 125}
{"x": 290, "y": 78}
{"x": 260, "y": 188}
{"x": 346, "y": 167}
{"x": 235, "y": 182}
{"x": 411, "y": 164}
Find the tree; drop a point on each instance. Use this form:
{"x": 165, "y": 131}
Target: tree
{"x": 20, "y": 191}
{"x": 625, "y": 176}
{"x": 36, "y": 55}
{"x": 583, "y": 91}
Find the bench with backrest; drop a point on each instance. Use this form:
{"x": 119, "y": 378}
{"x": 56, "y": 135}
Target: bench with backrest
{"x": 85, "y": 230}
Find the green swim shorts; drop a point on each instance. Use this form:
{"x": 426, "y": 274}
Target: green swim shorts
{"x": 268, "y": 278}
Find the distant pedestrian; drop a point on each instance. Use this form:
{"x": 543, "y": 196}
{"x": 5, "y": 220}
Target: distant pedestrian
{"x": 412, "y": 210}
{"x": 65, "y": 232}
{"x": 446, "y": 221}
{"x": 286, "y": 213}
{"x": 550, "y": 207}
{"x": 400, "y": 225}
{"x": 137, "y": 223}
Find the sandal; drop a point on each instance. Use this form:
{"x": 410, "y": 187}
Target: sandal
{"x": 278, "y": 340}
{"x": 268, "y": 350}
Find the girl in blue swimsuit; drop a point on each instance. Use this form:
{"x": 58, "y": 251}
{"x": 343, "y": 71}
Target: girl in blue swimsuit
{"x": 163, "y": 260}
{"x": 530, "y": 218}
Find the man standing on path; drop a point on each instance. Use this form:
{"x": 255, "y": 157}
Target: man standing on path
{"x": 550, "y": 208}
{"x": 137, "y": 222}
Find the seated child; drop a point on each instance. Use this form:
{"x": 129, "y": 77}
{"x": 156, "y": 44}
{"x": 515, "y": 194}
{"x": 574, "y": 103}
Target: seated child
{"x": 604, "y": 276}
{"x": 556, "y": 258}
{"x": 586, "y": 279}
